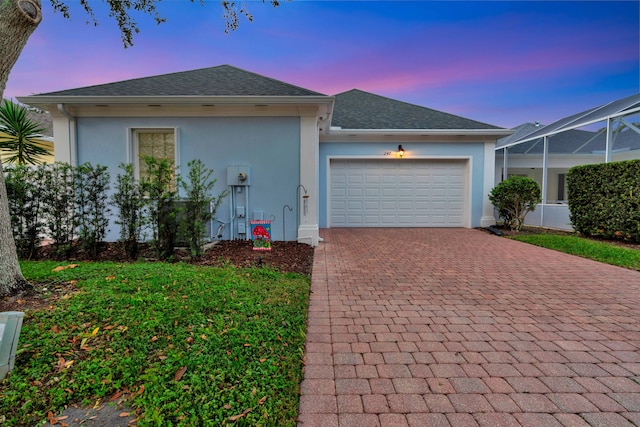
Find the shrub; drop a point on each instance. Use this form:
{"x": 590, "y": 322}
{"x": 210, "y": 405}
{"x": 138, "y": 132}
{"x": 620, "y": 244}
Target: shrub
{"x": 199, "y": 206}
{"x": 515, "y": 198}
{"x": 93, "y": 183}
{"x": 59, "y": 197}
{"x": 604, "y": 199}
{"x": 129, "y": 200}
{"x": 25, "y": 207}
{"x": 159, "y": 188}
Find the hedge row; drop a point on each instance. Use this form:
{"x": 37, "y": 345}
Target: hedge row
{"x": 604, "y": 200}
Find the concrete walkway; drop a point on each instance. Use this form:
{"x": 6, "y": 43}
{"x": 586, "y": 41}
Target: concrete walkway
{"x": 457, "y": 327}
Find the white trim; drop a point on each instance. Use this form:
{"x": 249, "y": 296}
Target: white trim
{"x": 178, "y": 99}
{"x": 308, "y": 229}
{"x": 468, "y": 175}
{"x": 423, "y": 132}
{"x": 488, "y": 182}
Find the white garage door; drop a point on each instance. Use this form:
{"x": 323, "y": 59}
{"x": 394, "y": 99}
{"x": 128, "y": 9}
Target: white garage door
{"x": 397, "y": 193}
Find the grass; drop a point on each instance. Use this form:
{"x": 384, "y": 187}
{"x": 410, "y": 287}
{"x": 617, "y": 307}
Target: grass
{"x": 189, "y": 345}
{"x": 608, "y": 253}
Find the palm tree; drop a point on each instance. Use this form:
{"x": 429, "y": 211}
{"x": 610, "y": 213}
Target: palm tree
{"x": 18, "y": 135}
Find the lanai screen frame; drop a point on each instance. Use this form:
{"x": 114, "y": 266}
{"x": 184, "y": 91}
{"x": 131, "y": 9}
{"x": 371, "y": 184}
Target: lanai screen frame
{"x": 615, "y": 110}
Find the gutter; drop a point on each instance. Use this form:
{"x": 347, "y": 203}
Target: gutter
{"x": 177, "y": 100}
{"x": 423, "y": 132}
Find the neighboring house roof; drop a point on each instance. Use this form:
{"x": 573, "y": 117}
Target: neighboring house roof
{"x": 223, "y": 80}
{"x": 574, "y": 141}
{"x": 356, "y": 109}
{"x": 614, "y": 109}
{"x": 43, "y": 119}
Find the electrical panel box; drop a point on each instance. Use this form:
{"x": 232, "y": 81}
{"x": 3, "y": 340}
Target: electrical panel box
{"x": 240, "y": 212}
{"x": 242, "y": 227}
{"x": 238, "y": 175}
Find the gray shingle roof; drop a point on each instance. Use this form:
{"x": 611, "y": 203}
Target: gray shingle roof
{"x": 356, "y": 109}
{"x": 223, "y": 80}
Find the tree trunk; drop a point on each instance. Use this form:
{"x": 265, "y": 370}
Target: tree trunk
{"x": 18, "y": 20}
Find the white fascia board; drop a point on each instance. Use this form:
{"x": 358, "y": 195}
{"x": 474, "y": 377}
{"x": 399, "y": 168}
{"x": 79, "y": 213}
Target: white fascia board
{"x": 421, "y": 132}
{"x": 176, "y": 100}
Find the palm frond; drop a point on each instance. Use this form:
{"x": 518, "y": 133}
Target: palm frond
{"x": 18, "y": 135}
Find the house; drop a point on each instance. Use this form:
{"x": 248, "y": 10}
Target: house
{"x": 302, "y": 159}
{"x": 598, "y": 135}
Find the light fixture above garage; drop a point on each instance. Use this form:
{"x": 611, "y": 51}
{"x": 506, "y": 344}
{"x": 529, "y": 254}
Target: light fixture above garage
{"x": 400, "y": 151}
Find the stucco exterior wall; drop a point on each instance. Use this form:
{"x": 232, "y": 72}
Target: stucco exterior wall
{"x": 269, "y": 145}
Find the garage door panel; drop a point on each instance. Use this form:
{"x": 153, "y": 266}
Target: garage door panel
{"x": 355, "y": 192}
{"x": 398, "y": 193}
{"x": 372, "y": 205}
{"x": 372, "y": 193}
{"x": 340, "y": 194}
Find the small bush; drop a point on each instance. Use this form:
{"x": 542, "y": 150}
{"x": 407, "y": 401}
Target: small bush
{"x": 59, "y": 196}
{"x": 24, "y": 191}
{"x": 93, "y": 183}
{"x": 130, "y": 202}
{"x": 200, "y": 206}
{"x": 159, "y": 188}
{"x": 515, "y": 198}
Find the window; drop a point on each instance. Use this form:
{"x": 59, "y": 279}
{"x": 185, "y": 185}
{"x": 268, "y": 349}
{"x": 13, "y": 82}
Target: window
{"x": 157, "y": 143}
{"x": 562, "y": 182}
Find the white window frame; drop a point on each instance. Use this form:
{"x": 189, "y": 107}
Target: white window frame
{"x": 133, "y": 151}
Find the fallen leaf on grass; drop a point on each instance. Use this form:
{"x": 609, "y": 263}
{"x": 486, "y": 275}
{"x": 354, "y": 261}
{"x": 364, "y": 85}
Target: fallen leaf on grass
{"x": 140, "y": 390}
{"x": 64, "y": 267}
{"x": 237, "y": 417}
{"x": 53, "y": 420}
{"x": 261, "y": 401}
{"x": 116, "y": 396}
{"x": 227, "y": 406}
{"x": 109, "y": 278}
{"x": 63, "y": 364}
{"x": 124, "y": 414}
{"x": 179, "y": 373}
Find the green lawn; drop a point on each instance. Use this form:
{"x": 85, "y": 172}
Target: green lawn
{"x": 608, "y": 253}
{"x": 190, "y": 345}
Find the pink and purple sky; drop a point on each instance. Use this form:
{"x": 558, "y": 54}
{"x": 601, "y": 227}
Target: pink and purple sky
{"x": 499, "y": 62}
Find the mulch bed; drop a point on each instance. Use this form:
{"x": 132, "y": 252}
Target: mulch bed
{"x": 291, "y": 257}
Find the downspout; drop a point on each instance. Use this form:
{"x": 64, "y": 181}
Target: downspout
{"x": 72, "y": 135}
{"x": 505, "y": 163}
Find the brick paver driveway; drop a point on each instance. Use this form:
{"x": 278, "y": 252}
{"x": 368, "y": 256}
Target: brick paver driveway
{"x": 422, "y": 327}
